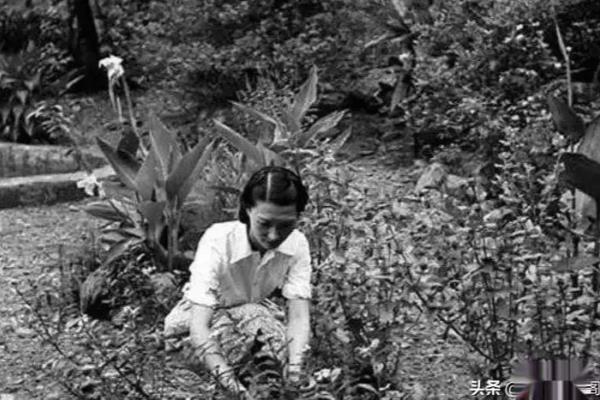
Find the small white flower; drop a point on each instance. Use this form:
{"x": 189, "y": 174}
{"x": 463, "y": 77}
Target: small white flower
{"x": 323, "y": 374}
{"x": 113, "y": 67}
{"x": 327, "y": 374}
{"x": 89, "y": 185}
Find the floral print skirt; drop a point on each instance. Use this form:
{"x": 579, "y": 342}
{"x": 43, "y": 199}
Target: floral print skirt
{"x": 245, "y": 332}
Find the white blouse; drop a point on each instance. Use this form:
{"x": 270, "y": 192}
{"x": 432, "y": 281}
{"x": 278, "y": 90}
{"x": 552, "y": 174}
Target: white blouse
{"x": 227, "y": 272}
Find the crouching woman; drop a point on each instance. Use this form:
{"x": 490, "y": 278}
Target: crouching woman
{"x": 237, "y": 266}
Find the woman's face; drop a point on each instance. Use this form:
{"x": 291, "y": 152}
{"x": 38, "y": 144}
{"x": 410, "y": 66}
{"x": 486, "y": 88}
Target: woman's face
{"x": 271, "y": 224}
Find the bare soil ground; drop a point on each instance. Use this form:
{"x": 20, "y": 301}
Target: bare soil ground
{"x": 31, "y": 241}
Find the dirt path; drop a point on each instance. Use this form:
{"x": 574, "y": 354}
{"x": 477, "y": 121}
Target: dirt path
{"x": 29, "y": 240}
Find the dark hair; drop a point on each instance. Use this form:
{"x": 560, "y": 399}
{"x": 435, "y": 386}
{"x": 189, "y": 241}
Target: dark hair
{"x": 274, "y": 184}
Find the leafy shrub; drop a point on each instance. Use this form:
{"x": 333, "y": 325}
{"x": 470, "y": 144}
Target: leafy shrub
{"x": 20, "y": 80}
{"x": 288, "y": 138}
{"x": 45, "y": 28}
{"x": 476, "y": 62}
{"x": 161, "y": 184}
{"x": 40, "y": 25}
{"x": 50, "y": 124}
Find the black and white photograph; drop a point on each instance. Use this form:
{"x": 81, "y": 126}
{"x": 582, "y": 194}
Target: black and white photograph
{"x": 299, "y": 199}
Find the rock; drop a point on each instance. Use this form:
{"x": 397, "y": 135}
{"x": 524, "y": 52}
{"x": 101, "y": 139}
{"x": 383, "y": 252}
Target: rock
{"x": 431, "y": 178}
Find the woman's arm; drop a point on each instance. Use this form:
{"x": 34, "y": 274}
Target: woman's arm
{"x": 208, "y": 350}
{"x": 298, "y": 332}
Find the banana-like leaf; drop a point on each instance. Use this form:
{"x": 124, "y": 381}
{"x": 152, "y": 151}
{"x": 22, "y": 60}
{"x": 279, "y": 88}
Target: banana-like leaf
{"x": 132, "y": 233}
{"x": 187, "y": 171}
{"x": 319, "y": 127}
{"x": 124, "y": 165}
{"x": 582, "y": 173}
{"x": 164, "y": 144}
{"x": 340, "y": 141}
{"x": 269, "y": 157}
{"x": 104, "y": 210}
{"x": 293, "y": 126}
{"x": 147, "y": 177}
{"x": 279, "y": 127}
{"x": 239, "y": 142}
{"x": 306, "y": 96}
{"x": 120, "y": 248}
{"x": 154, "y": 213}
{"x": 129, "y": 142}
{"x": 257, "y": 114}
{"x": 567, "y": 121}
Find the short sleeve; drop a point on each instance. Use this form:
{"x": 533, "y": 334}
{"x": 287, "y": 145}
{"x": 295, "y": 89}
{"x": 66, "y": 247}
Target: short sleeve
{"x": 297, "y": 281}
{"x": 204, "y": 283}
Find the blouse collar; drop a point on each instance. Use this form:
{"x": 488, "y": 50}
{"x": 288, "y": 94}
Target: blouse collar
{"x": 242, "y": 248}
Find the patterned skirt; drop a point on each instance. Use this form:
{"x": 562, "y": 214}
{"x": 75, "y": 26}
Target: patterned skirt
{"x": 245, "y": 333}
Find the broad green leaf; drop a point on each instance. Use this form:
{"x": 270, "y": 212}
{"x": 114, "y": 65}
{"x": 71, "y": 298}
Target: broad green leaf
{"x": 163, "y": 143}
{"x": 279, "y": 128}
{"x": 104, "y": 210}
{"x": 186, "y": 172}
{"x": 239, "y": 142}
{"x": 567, "y": 121}
{"x": 154, "y": 214}
{"x": 133, "y": 233}
{"x": 129, "y": 142}
{"x": 147, "y": 177}
{"x": 319, "y": 127}
{"x": 119, "y": 249}
{"x": 306, "y": 96}
{"x": 582, "y": 173}
{"x": 269, "y": 157}
{"x": 125, "y": 166}
{"x": 293, "y": 126}
{"x": 257, "y": 114}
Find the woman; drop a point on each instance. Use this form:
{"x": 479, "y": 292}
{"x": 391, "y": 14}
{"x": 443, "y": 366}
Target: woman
{"x": 239, "y": 264}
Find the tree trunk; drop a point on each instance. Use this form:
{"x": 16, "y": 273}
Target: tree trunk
{"x": 84, "y": 45}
